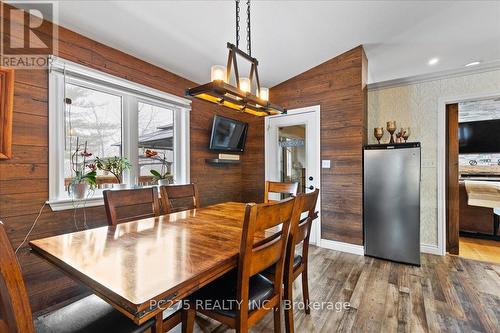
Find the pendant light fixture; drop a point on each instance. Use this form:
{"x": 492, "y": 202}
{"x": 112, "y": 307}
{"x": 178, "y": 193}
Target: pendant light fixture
{"x": 242, "y": 96}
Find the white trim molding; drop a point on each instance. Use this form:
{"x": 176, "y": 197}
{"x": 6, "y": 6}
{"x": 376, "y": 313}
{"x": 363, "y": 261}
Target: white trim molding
{"x": 64, "y": 72}
{"x": 316, "y": 111}
{"x": 430, "y": 249}
{"x": 58, "y": 205}
{"x": 441, "y": 158}
{"x": 76, "y": 71}
{"x": 359, "y": 249}
{"x": 486, "y": 67}
{"x": 342, "y": 247}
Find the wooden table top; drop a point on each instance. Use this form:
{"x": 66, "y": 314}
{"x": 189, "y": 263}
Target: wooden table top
{"x": 161, "y": 258}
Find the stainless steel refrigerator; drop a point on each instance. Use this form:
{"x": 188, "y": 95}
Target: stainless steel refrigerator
{"x": 392, "y": 201}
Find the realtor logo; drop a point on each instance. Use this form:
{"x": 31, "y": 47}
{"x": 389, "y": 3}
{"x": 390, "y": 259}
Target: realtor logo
{"x": 27, "y": 33}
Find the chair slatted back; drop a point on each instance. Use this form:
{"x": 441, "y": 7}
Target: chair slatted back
{"x": 278, "y": 187}
{"x": 129, "y": 205}
{"x": 176, "y": 198}
{"x": 300, "y": 230}
{"x": 307, "y": 204}
{"x": 257, "y": 256}
{"x": 15, "y": 310}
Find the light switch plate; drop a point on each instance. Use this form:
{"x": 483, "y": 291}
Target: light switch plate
{"x": 325, "y": 164}
{"x": 426, "y": 163}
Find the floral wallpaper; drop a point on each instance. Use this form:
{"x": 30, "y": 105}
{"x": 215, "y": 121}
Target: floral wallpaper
{"x": 416, "y": 105}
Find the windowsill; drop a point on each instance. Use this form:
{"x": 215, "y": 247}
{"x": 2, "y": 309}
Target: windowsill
{"x": 96, "y": 200}
{"x": 65, "y": 204}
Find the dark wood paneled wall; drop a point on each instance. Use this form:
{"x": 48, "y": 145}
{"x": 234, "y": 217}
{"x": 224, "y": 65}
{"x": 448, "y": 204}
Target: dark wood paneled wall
{"x": 339, "y": 87}
{"x": 24, "y": 178}
{"x": 452, "y": 176}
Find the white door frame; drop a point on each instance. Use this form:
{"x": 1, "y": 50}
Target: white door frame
{"x": 441, "y": 159}
{"x": 315, "y": 109}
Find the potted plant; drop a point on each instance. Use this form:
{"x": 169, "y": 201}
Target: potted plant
{"x": 163, "y": 177}
{"x": 114, "y": 165}
{"x": 85, "y": 173}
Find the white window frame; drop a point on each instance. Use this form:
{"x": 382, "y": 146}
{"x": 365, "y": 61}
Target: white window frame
{"x": 62, "y": 72}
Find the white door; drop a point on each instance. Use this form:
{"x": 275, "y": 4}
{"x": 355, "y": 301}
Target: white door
{"x": 293, "y": 153}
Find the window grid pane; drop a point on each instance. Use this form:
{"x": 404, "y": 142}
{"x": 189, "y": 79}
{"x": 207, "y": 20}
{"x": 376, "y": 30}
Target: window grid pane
{"x": 93, "y": 118}
{"x": 156, "y": 144}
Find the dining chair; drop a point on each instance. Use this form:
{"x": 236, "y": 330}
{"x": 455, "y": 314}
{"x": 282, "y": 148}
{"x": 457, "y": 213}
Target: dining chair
{"x": 132, "y": 204}
{"x": 279, "y": 187}
{"x": 176, "y": 198}
{"x": 296, "y": 264}
{"x": 90, "y": 314}
{"x": 246, "y": 294}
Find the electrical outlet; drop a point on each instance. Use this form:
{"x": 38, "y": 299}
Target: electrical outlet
{"x": 325, "y": 164}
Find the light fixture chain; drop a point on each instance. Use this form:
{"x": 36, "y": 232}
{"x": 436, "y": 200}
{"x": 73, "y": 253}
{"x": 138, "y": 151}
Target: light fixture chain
{"x": 237, "y": 23}
{"x": 249, "y": 40}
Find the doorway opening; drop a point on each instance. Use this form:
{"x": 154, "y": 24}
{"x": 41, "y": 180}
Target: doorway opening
{"x": 473, "y": 179}
{"x": 292, "y": 154}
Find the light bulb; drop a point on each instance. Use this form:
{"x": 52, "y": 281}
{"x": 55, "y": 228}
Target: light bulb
{"x": 245, "y": 84}
{"x": 218, "y": 73}
{"x": 264, "y": 93}
{"x": 474, "y": 63}
{"x": 433, "y": 61}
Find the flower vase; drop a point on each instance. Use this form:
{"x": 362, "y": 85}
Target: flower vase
{"x": 79, "y": 191}
{"x": 163, "y": 182}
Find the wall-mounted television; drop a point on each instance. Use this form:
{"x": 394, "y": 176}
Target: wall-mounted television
{"x": 479, "y": 137}
{"x": 228, "y": 135}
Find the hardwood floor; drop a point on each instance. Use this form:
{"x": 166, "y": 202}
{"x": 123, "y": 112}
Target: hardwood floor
{"x": 445, "y": 294}
{"x": 480, "y": 249}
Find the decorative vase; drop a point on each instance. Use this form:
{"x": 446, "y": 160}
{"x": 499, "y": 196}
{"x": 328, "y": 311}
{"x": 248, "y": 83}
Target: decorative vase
{"x": 79, "y": 191}
{"x": 391, "y": 128}
{"x": 406, "y": 133}
{"x": 163, "y": 182}
{"x": 378, "y": 132}
{"x": 399, "y": 136}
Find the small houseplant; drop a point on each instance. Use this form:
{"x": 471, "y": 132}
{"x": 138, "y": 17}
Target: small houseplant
{"x": 114, "y": 165}
{"x": 162, "y": 177}
{"x": 84, "y": 173}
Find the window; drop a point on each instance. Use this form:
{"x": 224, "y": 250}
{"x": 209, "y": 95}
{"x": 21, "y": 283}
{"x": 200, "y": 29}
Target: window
{"x": 92, "y": 119}
{"x": 113, "y": 117}
{"x": 156, "y": 137}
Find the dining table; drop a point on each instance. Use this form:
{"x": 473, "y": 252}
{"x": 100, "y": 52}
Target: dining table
{"x": 139, "y": 267}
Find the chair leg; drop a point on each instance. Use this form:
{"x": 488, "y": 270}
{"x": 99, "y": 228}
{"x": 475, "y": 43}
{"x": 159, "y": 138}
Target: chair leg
{"x": 158, "y": 326}
{"x": 305, "y": 290}
{"x": 277, "y": 319}
{"x": 288, "y": 297}
{"x": 242, "y": 329}
{"x": 188, "y": 320}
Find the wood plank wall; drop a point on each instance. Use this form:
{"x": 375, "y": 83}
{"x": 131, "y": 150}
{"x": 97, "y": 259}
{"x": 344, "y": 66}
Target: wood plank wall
{"x": 24, "y": 178}
{"x": 339, "y": 87}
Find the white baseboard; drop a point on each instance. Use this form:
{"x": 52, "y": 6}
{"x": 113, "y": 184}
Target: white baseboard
{"x": 431, "y": 249}
{"x": 342, "y": 247}
{"x": 359, "y": 249}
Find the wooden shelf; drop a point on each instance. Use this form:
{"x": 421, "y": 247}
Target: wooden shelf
{"x": 220, "y": 161}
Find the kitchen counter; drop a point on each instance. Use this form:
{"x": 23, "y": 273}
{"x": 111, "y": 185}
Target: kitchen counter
{"x": 483, "y": 193}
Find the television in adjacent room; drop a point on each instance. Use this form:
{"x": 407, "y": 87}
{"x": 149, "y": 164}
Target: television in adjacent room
{"x": 228, "y": 135}
{"x": 479, "y": 137}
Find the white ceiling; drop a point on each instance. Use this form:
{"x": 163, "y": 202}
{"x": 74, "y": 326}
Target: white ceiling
{"x": 289, "y": 37}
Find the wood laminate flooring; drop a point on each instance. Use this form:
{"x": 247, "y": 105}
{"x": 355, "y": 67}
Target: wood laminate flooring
{"x": 480, "y": 249}
{"x": 445, "y": 294}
